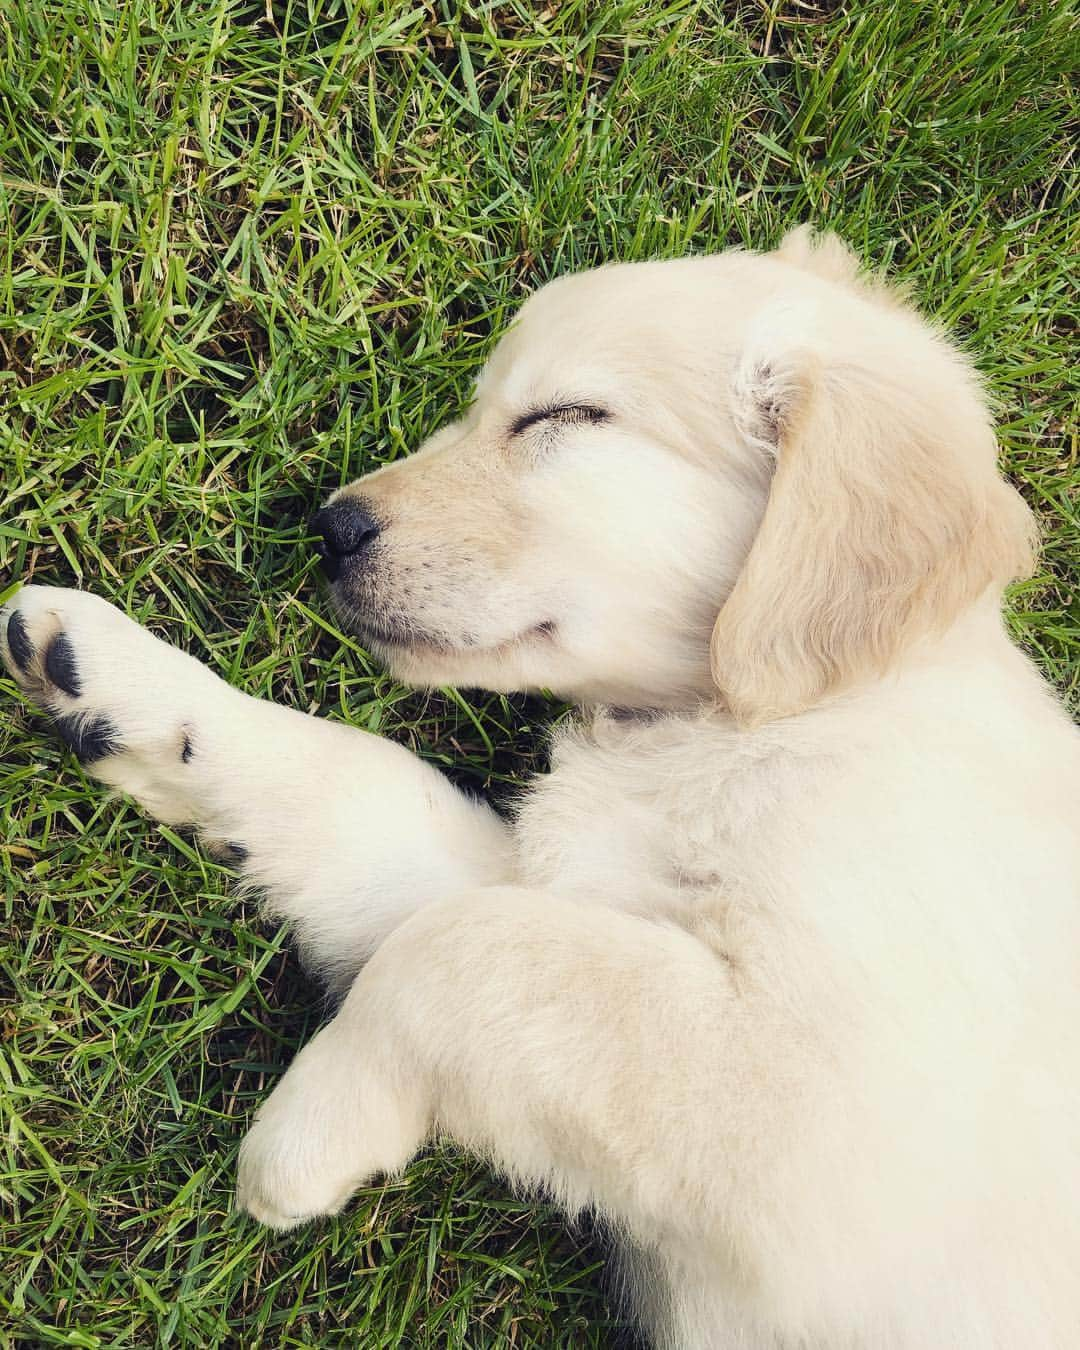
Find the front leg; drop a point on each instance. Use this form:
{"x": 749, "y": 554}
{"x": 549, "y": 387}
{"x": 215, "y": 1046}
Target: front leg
{"x": 565, "y": 1042}
{"x": 346, "y": 833}
{"x": 613, "y": 1062}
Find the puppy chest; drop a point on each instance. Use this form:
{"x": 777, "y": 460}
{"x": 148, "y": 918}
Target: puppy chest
{"x": 613, "y": 837}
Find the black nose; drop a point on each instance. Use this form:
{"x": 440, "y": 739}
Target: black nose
{"x": 345, "y": 528}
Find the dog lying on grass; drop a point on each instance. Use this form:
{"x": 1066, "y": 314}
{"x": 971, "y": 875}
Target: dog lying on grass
{"x": 779, "y": 969}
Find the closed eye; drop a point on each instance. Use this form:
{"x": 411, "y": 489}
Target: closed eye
{"x": 559, "y": 412}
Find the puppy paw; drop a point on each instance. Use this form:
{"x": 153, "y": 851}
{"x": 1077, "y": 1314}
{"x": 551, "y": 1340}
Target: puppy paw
{"x": 126, "y": 703}
{"x": 302, "y": 1157}
{"x": 327, "y": 1129}
{"x": 285, "y": 1179}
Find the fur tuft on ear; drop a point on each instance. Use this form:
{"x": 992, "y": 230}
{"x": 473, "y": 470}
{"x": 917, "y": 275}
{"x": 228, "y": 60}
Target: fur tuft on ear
{"x": 825, "y": 255}
{"x": 886, "y": 516}
{"x": 828, "y": 257}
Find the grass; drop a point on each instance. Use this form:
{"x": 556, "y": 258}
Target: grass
{"x": 252, "y": 249}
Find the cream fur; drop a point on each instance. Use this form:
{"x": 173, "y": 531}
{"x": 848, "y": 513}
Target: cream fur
{"x": 781, "y": 973}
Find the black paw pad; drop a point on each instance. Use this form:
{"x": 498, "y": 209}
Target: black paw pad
{"x": 60, "y": 665}
{"x": 18, "y": 641}
{"x": 90, "y": 738}
{"x": 230, "y": 854}
{"x": 226, "y": 851}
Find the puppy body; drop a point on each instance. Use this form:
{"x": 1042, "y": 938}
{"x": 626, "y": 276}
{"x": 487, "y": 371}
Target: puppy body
{"x": 779, "y": 968}
{"x": 879, "y": 1133}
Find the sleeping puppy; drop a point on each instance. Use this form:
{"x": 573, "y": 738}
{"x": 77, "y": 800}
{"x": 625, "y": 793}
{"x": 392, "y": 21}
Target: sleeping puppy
{"x": 779, "y": 969}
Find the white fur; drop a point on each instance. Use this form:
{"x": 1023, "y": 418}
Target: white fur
{"x": 782, "y": 978}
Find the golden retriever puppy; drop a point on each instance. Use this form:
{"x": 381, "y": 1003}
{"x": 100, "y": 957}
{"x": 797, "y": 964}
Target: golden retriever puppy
{"x": 779, "y": 969}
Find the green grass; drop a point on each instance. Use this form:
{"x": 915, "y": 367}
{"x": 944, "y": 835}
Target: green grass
{"x": 250, "y": 250}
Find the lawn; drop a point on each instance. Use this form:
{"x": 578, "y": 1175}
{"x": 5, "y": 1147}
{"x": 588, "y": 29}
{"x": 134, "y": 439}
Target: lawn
{"x": 251, "y": 250}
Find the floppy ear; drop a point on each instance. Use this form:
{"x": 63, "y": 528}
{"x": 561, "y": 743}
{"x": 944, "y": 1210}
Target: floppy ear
{"x": 886, "y": 515}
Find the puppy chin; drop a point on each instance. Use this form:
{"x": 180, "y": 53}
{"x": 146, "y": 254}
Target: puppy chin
{"x": 424, "y": 666}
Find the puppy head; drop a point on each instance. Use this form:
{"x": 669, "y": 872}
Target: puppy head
{"x": 577, "y": 528}
{"x": 651, "y": 444}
